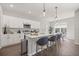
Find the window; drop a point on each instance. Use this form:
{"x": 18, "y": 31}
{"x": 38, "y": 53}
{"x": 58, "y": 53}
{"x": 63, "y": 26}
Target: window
{"x": 57, "y": 30}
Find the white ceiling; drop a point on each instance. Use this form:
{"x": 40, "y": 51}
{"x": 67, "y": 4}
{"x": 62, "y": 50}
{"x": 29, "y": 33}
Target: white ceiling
{"x": 22, "y": 9}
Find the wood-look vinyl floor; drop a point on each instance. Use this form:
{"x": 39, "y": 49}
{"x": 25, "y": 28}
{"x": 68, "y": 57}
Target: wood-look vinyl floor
{"x": 14, "y": 50}
{"x": 64, "y": 48}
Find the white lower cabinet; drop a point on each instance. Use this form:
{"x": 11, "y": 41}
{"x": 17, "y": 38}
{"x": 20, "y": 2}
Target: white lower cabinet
{"x": 11, "y": 39}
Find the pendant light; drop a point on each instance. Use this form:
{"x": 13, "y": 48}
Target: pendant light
{"x": 56, "y": 8}
{"x": 44, "y": 10}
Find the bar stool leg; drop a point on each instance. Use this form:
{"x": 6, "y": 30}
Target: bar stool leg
{"x": 41, "y": 50}
{"x": 47, "y": 50}
{"x": 47, "y": 45}
{"x": 36, "y": 48}
{"x": 50, "y": 43}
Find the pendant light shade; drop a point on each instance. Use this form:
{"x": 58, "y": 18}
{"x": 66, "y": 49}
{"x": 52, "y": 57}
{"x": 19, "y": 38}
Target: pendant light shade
{"x": 44, "y": 10}
{"x": 56, "y": 12}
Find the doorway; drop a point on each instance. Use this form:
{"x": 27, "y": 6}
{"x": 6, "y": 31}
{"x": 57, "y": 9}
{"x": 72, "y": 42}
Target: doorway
{"x": 61, "y": 28}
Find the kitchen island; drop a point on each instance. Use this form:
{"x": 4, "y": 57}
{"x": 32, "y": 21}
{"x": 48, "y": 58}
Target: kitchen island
{"x": 32, "y": 39}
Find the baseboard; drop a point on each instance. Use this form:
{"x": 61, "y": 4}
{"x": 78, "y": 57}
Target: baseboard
{"x": 11, "y": 45}
{"x": 0, "y": 47}
{"x": 76, "y": 43}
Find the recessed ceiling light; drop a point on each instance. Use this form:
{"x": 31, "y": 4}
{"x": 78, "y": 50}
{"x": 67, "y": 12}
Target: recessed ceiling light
{"x": 11, "y": 5}
{"x": 29, "y": 12}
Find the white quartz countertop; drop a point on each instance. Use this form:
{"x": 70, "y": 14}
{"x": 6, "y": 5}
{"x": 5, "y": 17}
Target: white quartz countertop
{"x": 38, "y": 36}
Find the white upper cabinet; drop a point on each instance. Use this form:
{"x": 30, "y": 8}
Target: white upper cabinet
{"x": 16, "y": 22}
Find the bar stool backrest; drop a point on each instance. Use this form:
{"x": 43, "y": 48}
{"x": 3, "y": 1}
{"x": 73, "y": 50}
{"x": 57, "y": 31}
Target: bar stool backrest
{"x": 53, "y": 38}
{"x": 58, "y": 36}
{"x": 42, "y": 40}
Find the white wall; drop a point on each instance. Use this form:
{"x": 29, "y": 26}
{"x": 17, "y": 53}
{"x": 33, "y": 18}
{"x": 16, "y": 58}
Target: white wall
{"x": 44, "y": 26}
{"x": 70, "y": 26}
{"x": 70, "y": 29}
{"x": 16, "y": 22}
{"x": 44, "y": 23}
{"x": 0, "y": 25}
{"x": 77, "y": 26}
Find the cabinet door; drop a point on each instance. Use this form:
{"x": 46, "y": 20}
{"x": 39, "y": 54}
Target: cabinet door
{"x": 10, "y": 39}
{"x": 4, "y": 41}
{"x": 14, "y": 39}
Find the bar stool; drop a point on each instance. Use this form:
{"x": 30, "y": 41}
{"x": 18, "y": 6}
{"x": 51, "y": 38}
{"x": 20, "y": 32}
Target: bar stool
{"x": 42, "y": 42}
{"x": 58, "y": 42}
{"x": 58, "y": 36}
{"x": 52, "y": 39}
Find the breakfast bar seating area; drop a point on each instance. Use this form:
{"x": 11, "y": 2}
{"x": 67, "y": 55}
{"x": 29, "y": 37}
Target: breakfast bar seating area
{"x": 37, "y": 43}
